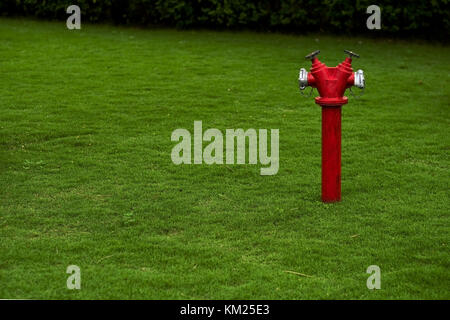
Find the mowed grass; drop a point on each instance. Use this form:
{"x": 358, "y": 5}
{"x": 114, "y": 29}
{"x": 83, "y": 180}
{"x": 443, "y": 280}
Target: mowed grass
{"x": 87, "y": 178}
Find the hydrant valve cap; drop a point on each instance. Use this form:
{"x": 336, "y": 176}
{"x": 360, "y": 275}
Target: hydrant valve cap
{"x": 359, "y": 79}
{"x": 303, "y": 79}
{"x": 312, "y": 55}
{"x": 351, "y": 54}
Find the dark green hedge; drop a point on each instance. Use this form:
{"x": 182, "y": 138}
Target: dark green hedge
{"x": 426, "y": 18}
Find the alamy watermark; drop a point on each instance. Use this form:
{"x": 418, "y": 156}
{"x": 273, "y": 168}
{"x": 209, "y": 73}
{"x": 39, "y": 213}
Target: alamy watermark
{"x": 213, "y": 153}
{"x": 74, "y": 20}
{"x": 374, "y": 20}
{"x": 74, "y": 280}
{"x": 374, "y": 280}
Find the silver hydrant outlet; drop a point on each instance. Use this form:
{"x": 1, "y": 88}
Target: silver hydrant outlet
{"x": 359, "y": 79}
{"x": 303, "y": 79}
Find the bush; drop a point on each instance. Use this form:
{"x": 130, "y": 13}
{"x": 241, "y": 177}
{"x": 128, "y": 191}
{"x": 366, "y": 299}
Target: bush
{"x": 418, "y": 18}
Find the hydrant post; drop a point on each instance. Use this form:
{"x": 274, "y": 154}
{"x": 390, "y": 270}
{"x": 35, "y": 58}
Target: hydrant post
{"x": 331, "y": 82}
{"x": 331, "y": 154}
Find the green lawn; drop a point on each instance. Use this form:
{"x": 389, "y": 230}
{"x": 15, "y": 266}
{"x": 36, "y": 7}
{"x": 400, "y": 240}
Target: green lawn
{"x": 87, "y": 178}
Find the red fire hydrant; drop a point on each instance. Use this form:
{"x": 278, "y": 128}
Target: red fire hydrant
{"x": 331, "y": 82}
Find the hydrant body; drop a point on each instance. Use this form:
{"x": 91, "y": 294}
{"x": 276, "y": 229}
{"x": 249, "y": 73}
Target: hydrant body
{"x": 331, "y": 153}
{"x": 331, "y": 82}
